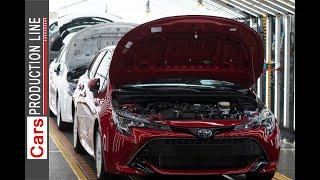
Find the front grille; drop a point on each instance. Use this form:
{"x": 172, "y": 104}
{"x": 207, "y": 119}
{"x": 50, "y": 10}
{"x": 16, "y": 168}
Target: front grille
{"x": 195, "y": 154}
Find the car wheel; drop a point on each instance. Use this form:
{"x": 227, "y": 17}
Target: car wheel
{"x": 61, "y": 125}
{"x": 99, "y": 157}
{"x": 78, "y": 148}
{"x": 256, "y": 176}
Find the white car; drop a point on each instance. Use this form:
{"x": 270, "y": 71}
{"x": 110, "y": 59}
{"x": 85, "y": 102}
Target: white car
{"x": 54, "y": 70}
{"x": 53, "y": 74}
{"x": 73, "y": 62}
{"x": 60, "y": 27}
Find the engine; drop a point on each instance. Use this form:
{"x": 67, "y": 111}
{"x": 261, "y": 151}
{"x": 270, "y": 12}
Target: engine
{"x": 158, "y": 111}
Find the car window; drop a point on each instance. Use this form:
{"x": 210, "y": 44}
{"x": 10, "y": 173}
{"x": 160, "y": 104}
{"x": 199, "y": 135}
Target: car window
{"x": 62, "y": 56}
{"x": 95, "y": 64}
{"x": 53, "y": 27}
{"x": 103, "y": 71}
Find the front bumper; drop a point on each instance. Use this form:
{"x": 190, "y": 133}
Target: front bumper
{"x": 121, "y": 152}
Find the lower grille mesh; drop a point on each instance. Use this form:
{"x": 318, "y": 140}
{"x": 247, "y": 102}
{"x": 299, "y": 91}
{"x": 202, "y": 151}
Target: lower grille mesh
{"x": 195, "y": 154}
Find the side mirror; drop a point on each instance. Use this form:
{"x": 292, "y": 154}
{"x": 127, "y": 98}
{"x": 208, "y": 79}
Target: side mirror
{"x": 94, "y": 85}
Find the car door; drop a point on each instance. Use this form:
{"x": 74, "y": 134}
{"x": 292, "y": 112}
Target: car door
{"x": 96, "y": 100}
{"x": 86, "y": 112}
{"x": 54, "y": 66}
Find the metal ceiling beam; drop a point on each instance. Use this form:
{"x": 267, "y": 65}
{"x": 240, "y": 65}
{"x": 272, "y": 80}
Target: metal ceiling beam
{"x": 251, "y": 22}
{"x": 277, "y": 73}
{"x": 236, "y": 16}
{"x": 273, "y": 6}
{"x": 244, "y": 8}
{"x": 259, "y": 81}
{"x": 230, "y": 13}
{"x": 268, "y": 60}
{"x": 258, "y": 6}
{"x": 288, "y": 3}
{"x": 286, "y": 89}
{"x": 229, "y": 8}
{"x": 281, "y": 5}
{"x": 223, "y": 13}
{"x": 219, "y": 11}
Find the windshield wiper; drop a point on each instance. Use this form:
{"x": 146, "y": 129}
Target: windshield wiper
{"x": 229, "y": 89}
{"x": 163, "y": 88}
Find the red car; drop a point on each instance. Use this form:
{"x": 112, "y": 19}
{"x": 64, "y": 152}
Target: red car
{"x": 174, "y": 97}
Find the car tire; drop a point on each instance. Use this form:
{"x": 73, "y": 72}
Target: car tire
{"x": 256, "y": 176}
{"x": 61, "y": 125}
{"x": 99, "y": 159}
{"x": 78, "y": 148}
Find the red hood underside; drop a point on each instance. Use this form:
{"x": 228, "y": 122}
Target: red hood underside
{"x": 188, "y": 47}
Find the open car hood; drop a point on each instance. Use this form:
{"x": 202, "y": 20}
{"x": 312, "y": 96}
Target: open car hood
{"x": 67, "y": 22}
{"x": 84, "y": 45}
{"x": 192, "y": 46}
{"x": 79, "y": 23}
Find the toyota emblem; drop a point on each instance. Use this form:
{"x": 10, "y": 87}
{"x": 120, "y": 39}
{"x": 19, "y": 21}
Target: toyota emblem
{"x": 204, "y": 133}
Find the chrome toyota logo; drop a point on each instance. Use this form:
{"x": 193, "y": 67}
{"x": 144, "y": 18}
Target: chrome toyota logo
{"x": 204, "y": 133}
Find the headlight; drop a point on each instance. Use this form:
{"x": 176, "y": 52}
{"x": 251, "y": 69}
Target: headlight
{"x": 125, "y": 120}
{"x": 265, "y": 118}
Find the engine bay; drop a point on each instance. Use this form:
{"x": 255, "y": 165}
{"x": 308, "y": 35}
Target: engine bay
{"x": 162, "y": 110}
